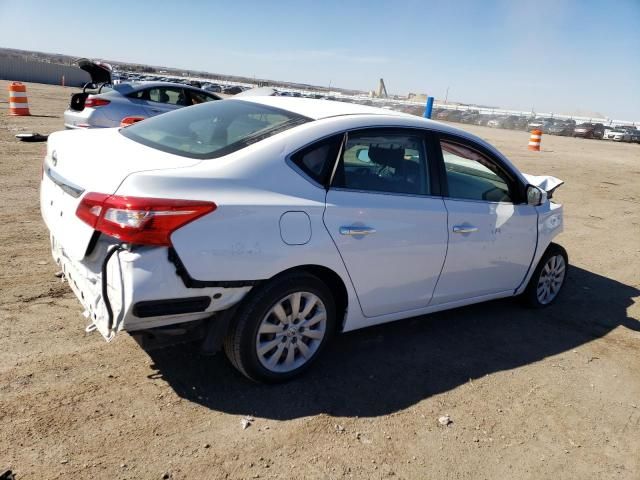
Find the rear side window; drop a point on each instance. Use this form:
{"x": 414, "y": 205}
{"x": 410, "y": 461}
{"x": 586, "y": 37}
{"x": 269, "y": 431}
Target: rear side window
{"x": 170, "y": 95}
{"x": 139, "y": 94}
{"x": 212, "y": 129}
{"x": 393, "y": 163}
{"x": 200, "y": 97}
{"x": 317, "y": 160}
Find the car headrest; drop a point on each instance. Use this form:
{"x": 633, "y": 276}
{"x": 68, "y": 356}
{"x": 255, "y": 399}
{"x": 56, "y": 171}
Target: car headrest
{"x": 387, "y": 156}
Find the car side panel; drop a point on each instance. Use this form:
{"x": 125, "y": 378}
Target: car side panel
{"x": 493, "y": 257}
{"x": 395, "y": 268}
{"x": 124, "y": 107}
{"x": 241, "y": 239}
{"x": 550, "y": 225}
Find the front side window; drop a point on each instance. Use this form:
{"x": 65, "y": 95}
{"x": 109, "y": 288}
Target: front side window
{"x": 393, "y": 163}
{"x": 213, "y": 129}
{"x": 472, "y": 176}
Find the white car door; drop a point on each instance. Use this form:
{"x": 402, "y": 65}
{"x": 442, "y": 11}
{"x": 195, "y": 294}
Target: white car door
{"x": 492, "y": 235}
{"x": 389, "y": 230}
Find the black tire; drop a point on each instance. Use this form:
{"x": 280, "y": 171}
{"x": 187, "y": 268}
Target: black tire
{"x": 530, "y": 295}
{"x": 240, "y": 344}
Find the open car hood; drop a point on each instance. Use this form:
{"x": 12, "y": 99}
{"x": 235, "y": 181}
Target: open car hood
{"x": 100, "y": 72}
{"x": 545, "y": 182}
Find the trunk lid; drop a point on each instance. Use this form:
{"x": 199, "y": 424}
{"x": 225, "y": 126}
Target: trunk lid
{"x": 78, "y": 162}
{"x": 99, "y": 72}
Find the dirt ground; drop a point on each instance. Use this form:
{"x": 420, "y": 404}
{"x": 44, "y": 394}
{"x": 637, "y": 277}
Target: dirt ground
{"x": 550, "y": 394}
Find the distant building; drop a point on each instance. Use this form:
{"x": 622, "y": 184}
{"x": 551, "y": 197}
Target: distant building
{"x": 417, "y": 97}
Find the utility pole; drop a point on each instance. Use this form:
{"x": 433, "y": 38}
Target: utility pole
{"x": 446, "y": 95}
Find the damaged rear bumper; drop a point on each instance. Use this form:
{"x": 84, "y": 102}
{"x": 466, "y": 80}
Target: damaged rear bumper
{"x": 143, "y": 289}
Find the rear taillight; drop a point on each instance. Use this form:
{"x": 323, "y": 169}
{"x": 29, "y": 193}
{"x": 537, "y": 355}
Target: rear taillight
{"x": 138, "y": 220}
{"x": 95, "y": 102}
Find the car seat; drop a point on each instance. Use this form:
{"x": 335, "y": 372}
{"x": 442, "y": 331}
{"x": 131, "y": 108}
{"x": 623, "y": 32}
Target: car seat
{"x": 404, "y": 174}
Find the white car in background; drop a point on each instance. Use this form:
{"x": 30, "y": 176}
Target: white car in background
{"x": 109, "y": 105}
{"x": 618, "y": 135}
{"x": 278, "y": 221}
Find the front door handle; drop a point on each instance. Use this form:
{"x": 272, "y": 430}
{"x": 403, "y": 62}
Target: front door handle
{"x": 356, "y": 230}
{"x": 464, "y": 229}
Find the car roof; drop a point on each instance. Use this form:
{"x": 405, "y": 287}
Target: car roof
{"x": 147, "y": 84}
{"x": 325, "y": 109}
{"x": 318, "y": 109}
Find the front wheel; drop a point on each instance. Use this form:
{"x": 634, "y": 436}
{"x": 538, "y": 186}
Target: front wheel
{"x": 281, "y": 328}
{"x": 548, "y": 278}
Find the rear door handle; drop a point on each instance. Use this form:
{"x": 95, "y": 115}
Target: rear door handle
{"x": 355, "y": 231}
{"x": 464, "y": 229}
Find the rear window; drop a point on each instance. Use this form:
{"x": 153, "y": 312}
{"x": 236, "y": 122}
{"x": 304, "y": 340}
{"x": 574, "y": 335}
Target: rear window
{"x": 213, "y": 129}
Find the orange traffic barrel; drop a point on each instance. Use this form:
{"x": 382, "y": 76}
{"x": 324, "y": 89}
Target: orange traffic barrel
{"x": 534, "y": 140}
{"x": 126, "y": 121}
{"x": 18, "y": 104}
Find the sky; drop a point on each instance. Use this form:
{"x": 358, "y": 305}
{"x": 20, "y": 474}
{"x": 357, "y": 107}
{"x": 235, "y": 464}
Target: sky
{"x": 562, "y": 56}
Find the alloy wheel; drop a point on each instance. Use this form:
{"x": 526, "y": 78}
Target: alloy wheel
{"x": 291, "y": 332}
{"x": 551, "y": 279}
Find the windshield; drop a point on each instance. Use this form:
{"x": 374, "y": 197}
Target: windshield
{"x": 213, "y": 129}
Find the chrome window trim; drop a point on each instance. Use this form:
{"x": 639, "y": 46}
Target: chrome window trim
{"x": 400, "y": 194}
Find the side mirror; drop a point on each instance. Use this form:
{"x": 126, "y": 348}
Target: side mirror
{"x": 535, "y": 196}
{"x": 363, "y": 155}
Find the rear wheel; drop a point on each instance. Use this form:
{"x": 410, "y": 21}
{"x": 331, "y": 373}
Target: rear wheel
{"x": 548, "y": 278}
{"x": 281, "y": 328}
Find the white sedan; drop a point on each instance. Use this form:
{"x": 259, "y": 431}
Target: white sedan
{"x": 274, "y": 222}
{"x": 618, "y": 135}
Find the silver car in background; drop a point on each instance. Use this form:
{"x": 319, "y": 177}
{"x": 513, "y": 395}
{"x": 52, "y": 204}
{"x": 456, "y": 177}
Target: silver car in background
{"x": 110, "y": 104}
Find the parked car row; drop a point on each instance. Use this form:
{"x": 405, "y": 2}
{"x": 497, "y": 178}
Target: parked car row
{"x": 208, "y": 86}
{"x": 622, "y": 134}
{"x": 548, "y": 125}
{"x": 473, "y": 117}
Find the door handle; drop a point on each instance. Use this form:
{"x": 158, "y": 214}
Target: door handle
{"x": 464, "y": 229}
{"x": 355, "y": 231}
